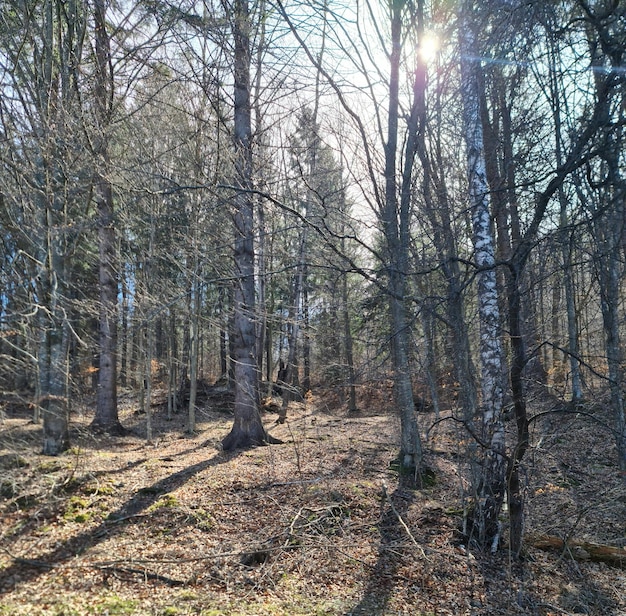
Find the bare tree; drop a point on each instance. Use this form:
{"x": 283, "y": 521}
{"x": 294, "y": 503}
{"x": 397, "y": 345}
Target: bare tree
{"x": 489, "y": 474}
{"x": 106, "y": 418}
{"x": 247, "y": 428}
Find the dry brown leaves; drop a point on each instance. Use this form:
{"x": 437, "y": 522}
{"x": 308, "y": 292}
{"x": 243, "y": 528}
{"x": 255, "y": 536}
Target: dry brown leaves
{"x": 117, "y": 526}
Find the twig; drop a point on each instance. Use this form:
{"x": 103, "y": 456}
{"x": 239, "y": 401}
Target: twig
{"x": 146, "y": 574}
{"x": 281, "y": 484}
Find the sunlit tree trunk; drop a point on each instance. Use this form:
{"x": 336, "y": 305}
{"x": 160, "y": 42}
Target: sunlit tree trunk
{"x": 247, "y": 428}
{"x": 52, "y": 277}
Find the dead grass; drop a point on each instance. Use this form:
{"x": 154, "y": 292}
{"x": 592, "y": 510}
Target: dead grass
{"x": 117, "y": 526}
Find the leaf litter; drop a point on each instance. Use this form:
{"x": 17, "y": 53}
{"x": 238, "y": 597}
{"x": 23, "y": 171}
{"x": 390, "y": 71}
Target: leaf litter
{"x": 322, "y": 524}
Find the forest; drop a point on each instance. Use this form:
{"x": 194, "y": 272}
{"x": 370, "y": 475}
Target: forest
{"x": 312, "y": 307}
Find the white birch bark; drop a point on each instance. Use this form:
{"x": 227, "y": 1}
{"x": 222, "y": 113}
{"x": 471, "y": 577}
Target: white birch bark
{"x": 490, "y": 482}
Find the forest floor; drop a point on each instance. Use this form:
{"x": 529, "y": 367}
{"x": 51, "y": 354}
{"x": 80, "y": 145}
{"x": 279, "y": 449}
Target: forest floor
{"x": 320, "y": 525}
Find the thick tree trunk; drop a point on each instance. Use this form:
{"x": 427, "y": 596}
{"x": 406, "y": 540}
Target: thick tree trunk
{"x": 607, "y": 239}
{"x": 106, "y": 417}
{"x": 51, "y": 278}
{"x": 247, "y": 428}
{"x": 52, "y": 370}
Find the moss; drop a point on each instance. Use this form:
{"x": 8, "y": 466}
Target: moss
{"x": 116, "y": 606}
{"x": 75, "y": 510}
{"x": 50, "y": 466}
{"x": 169, "y": 500}
{"x": 203, "y": 519}
{"x": 7, "y": 489}
{"x": 187, "y": 595}
{"x": 99, "y": 489}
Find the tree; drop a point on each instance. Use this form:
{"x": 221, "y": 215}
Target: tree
{"x": 489, "y": 481}
{"x": 392, "y": 202}
{"x": 43, "y": 49}
{"x": 106, "y": 418}
{"x": 247, "y": 428}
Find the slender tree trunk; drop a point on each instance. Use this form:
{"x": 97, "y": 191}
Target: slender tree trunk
{"x": 347, "y": 335}
{"x": 291, "y": 383}
{"x": 193, "y": 351}
{"x": 566, "y": 247}
{"x": 171, "y": 369}
{"x": 123, "y": 346}
{"x": 490, "y": 482}
{"x": 147, "y": 380}
{"x": 395, "y": 220}
{"x": 428, "y": 326}
{"x": 306, "y": 339}
{"x": 438, "y": 210}
{"x": 224, "y": 319}
{"x": 570, "y": 303}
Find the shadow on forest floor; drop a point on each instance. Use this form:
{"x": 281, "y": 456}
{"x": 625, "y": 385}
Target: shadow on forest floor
{"x": 383, "y": 575}
{"x": 27, "y": 570}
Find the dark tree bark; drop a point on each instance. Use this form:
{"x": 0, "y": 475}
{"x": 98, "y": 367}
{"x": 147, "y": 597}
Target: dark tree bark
{"x": 247, "y": 427}
{"x": 395, "y": 221}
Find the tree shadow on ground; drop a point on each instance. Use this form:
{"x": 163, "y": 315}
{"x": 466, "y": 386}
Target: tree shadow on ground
{"x": 24, "y": 570}
{"x": 383, "y": 577}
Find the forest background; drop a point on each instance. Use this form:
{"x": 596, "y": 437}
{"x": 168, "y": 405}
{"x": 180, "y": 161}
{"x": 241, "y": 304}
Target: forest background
{"x": 276, "y": 202}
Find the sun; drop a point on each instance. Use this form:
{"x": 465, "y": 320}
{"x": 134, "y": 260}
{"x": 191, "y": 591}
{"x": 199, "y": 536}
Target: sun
{"x": 429, "y": 47}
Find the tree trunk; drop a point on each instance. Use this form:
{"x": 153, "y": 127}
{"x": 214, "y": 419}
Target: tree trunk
{"x": 106, "y": 417}
{"x": 52, "y": 277}
{"x": 439, "y": 212}
{"x": 347, "y": 335}
{"x": 607, "y": 235}
{"x": 194, "y": 305}
{"x": 395, "y": 221}
{"x": 489, "y": 484}
{"x": 247, "y": 428}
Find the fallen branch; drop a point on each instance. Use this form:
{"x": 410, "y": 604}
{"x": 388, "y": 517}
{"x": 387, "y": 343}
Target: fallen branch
{"x": 581, "y": 550}
{"x": 147, "y": 575}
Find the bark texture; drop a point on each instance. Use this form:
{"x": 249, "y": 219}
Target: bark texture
{"x": 247, "y": 428}
{"x": 490, "y": 470}
{"x": 106, "y": 417}
{"x": 395, "y": 220}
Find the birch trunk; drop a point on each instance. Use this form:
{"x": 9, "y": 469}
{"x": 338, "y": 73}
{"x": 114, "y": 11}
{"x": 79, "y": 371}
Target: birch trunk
{"x": 489, "y": 483}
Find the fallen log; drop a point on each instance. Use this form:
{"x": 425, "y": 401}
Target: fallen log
{"x": 581, "y": 550}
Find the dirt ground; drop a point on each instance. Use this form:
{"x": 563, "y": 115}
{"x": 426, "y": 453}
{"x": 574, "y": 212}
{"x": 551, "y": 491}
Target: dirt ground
{"x": 320, "y": 525}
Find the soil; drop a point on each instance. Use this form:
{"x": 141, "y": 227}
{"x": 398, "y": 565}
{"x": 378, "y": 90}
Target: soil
{"x": 320, "y": 525}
